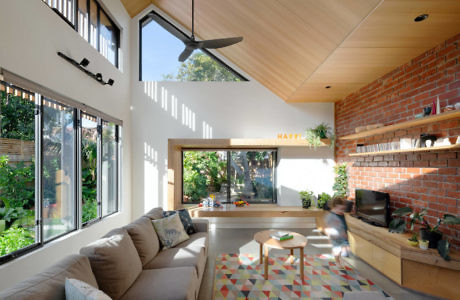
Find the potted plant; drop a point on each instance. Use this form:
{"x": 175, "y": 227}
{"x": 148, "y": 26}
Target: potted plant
{"x": 427, "y": 232}
{"x": 323, "y": 198}
{"x": 316, "y": 135}
{"x": 307, "y": 198}
{"x": 413, "y": 241}
{"x": 340, "y": 186}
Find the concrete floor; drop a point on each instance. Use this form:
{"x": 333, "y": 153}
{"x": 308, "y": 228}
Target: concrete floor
{"x": 232, "y": 240}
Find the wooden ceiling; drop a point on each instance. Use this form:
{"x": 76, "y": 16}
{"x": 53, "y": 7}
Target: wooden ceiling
{"x": 298, "y": 47}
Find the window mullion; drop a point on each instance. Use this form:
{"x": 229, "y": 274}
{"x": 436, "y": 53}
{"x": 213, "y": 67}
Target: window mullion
{"x": 38, "y": 169}
{"x": 99, "y": 167}
{"x": 78, "y": 178}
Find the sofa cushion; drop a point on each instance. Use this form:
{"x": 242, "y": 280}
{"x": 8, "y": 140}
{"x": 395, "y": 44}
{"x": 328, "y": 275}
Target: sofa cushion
{"x": 78, "y": 290}
{"x": 145, "y": 238}
{"x": 50, "y": 284}
{"x": 155, "y": 213}
{"x": 170, "y": 231}
{"x": 169, "y": 283}
{"x": 184, "y": 218}
{"x": 199, "y": 239}
{"x": 179, "y": 257}
{"x": 114, "y": 261}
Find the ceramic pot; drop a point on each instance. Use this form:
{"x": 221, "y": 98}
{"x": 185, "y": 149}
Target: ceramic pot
{"x": 432, "y": 237}
{"x": 423, "y": 245}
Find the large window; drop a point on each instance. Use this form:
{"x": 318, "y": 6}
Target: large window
{"x": 92, "y": 22}
{"x": 159, "y": 54}
{"x": 59, "y": 140}
{"x": 18, "y": 206}
{"x": 229, "y": 175}
{"x": 59, "y": 169}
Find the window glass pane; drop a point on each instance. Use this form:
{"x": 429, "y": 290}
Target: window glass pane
{"x": 17, "y": 169}
{"x": 93, "y": 23}
{"x": 160, "y": 53}
{"x": 108, "y": 39}
{"x": 204, "y": 173}
{"x": 252, "y": 176}
{"x": 58, "y": 169}
{"x": 109, "y": 169}
{"x": 83, "y": 18}
{"x": 89, "y": 167}
{"x": 64, "y": 7}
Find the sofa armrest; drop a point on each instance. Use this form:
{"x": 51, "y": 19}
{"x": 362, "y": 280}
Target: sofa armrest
{"x": 201, "y": 225}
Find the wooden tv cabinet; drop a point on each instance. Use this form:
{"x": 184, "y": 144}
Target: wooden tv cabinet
{"x": 410, "y": 267}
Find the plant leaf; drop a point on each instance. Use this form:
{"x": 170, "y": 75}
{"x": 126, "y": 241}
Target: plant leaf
{"x": 443, "y": 249}
{"x": 450, "y": 220}
{"x": 397, "y": 225}
{"x": 403, "y": 211}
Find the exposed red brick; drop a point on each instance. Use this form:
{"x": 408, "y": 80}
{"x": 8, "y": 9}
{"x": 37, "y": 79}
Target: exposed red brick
{"x": 420, "y": 180}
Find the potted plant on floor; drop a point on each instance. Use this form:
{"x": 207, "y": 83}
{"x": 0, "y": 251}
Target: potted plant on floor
{"x": 317, "y": 135}
{"x": 307, "y": 198}
{"x": 427, "y": 232}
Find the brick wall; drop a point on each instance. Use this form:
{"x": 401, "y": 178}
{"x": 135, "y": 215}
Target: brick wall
{"x": 421, "y": 180}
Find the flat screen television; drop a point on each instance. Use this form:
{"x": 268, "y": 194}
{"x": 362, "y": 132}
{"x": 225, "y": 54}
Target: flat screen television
{"x": 373, "y": 207}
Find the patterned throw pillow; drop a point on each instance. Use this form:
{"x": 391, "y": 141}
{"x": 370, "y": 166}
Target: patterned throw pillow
{"x": 170, "y": 231}
{"x": 79, "y": 290}
{"x": 184, "y": 218}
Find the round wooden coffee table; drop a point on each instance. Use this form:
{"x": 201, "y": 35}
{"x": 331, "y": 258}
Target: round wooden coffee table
{"x": 266, "y": 242}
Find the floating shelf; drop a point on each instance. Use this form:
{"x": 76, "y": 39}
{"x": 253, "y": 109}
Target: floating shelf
{"x": 242, "y": 143}
{"x": 425, "y": 149}
{"x": 403, "y": 125}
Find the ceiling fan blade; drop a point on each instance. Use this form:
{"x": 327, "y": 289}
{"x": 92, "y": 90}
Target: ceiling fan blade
{"x": 171, "y": 29}
{"x": 220, "y": 43}
{"x": 186, "y": 53}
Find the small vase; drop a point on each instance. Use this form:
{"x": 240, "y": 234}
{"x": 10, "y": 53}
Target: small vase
{"x": 438, "y": 107}
{"x": 423, "y": 245}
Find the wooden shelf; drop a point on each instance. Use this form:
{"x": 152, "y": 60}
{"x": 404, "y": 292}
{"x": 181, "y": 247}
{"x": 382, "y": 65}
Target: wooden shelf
{"x": 241, "y": 143}
{"x": 403, "y": 125}
{"x": 436, "y": 148}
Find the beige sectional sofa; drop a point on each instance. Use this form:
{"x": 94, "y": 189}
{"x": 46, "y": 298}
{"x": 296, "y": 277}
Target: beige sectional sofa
{"x": 127, "y": 263}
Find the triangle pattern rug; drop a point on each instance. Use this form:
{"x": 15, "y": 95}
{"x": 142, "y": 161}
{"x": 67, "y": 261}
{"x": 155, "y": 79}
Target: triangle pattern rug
{"x": 240, "y": 276}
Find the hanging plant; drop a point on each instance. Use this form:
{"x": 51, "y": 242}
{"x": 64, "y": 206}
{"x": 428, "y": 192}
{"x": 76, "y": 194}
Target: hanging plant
{"x": 315, "y": 135}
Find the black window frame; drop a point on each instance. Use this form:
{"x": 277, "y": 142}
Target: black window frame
{"x": 228, "y": 153}
{"x": 39, "y": 184}
{"x": 152, "y": 16}
{"x": 98, "y": 12}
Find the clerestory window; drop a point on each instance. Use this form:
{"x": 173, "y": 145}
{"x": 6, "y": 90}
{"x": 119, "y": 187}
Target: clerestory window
{"x": 160, "y": 50}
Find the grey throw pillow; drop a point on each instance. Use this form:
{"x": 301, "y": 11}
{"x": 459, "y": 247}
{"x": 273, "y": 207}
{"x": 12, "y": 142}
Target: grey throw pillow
{"x": 184, "y": 218}
{"x": 79, "y": 290}
{"x": 170, "y": 231}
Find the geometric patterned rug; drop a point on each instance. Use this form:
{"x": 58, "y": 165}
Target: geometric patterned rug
{"x": 240, "y": 276}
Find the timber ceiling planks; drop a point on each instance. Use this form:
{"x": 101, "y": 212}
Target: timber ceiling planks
{"x": 297, "y": 47}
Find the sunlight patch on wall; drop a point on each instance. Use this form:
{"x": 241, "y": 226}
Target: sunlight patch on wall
{"x": 188, "y": 117}
{"x": 151, "y": 179}
{"x": 207, "y": 131}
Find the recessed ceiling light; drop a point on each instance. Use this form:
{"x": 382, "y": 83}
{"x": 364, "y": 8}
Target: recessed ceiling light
{"x": 328, "y": 86}
{"x": 421, "y": 18}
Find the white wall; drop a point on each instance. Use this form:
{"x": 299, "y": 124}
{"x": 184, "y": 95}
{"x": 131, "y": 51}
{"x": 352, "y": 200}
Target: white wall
{"x": 30, "y": 35}
{"x": 162, "y": 110}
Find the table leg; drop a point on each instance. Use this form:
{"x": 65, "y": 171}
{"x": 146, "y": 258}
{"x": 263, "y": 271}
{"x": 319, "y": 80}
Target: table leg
{"x": 266, "y": 262}
{"x": 261, "y": 254}
{"x": 301, "y": 266}
{"x": 291, "y": 258}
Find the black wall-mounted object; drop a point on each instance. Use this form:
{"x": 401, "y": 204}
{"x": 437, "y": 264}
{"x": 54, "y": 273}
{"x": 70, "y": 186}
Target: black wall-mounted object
{"x": 82, "y": 66}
